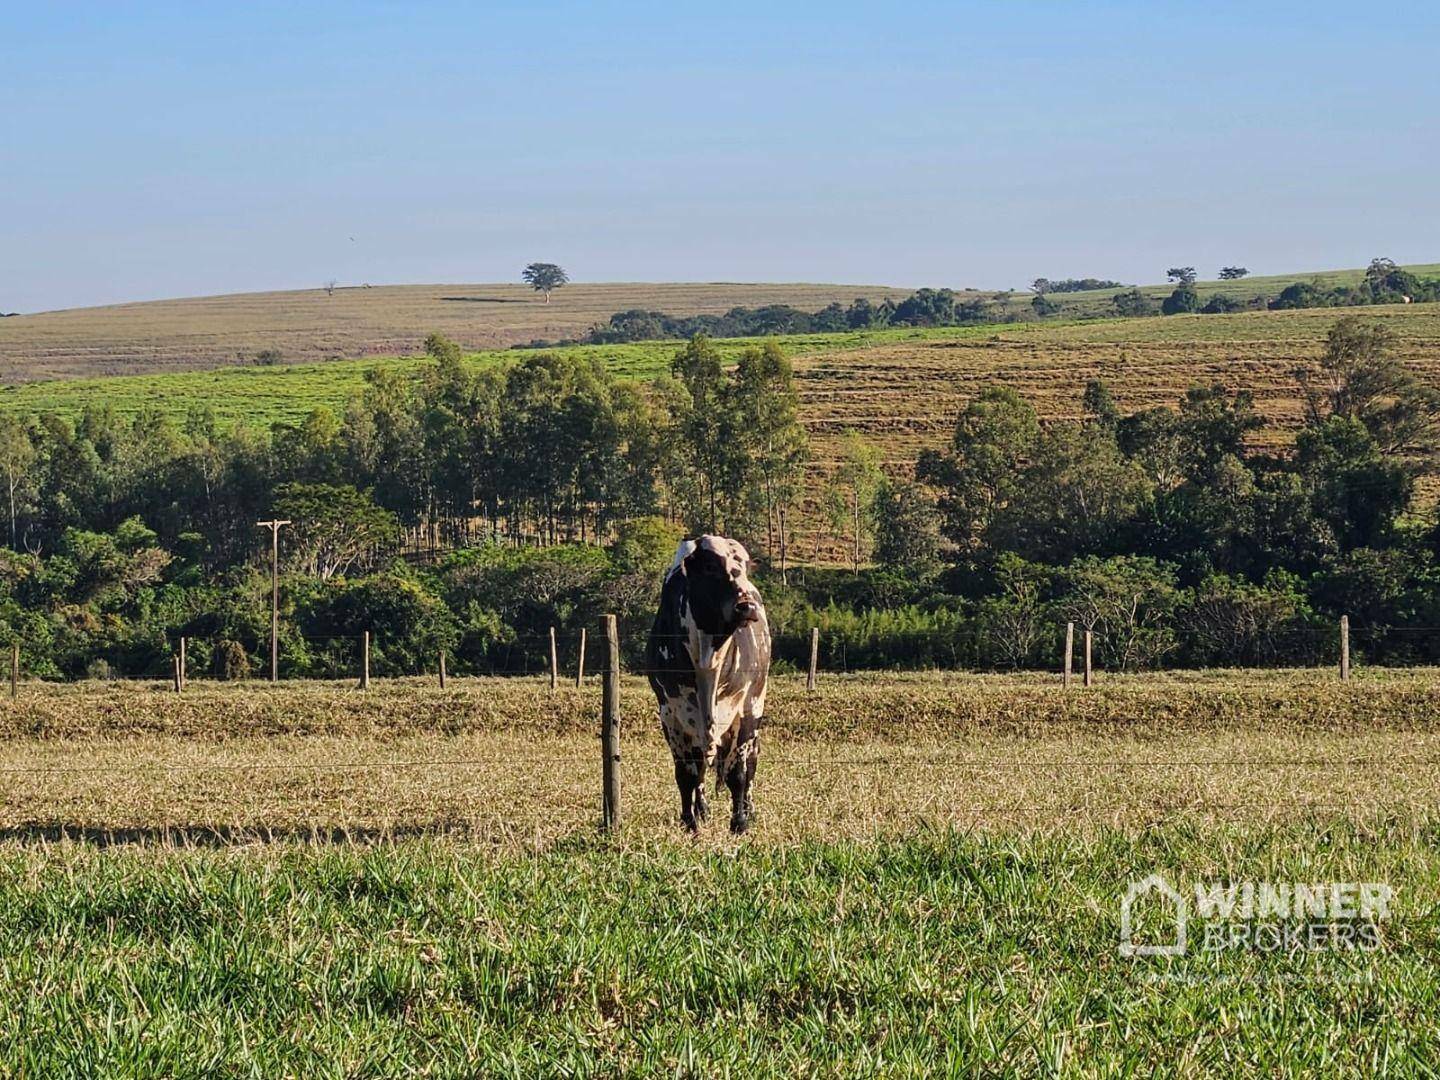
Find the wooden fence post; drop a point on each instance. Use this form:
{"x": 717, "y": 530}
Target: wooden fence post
{"x": 175, "y": 670}
{"x": 814, "y": 656}
{"x": 580, "y": 660}
{"x": 442, "y": 669}
{"x": 184, "y": 674}
{"x": 14, "y": 669}
{"x": 554, "y": 662}
{"x": 1088, "y": 636}
{"x": 1069, "y": 653}
{"x": 610, "y": 730}
{"x": 1344, "y": 648}
{"x": 365, "y": 660}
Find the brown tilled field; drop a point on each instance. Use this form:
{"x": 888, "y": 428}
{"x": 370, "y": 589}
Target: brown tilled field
{"x": 308, "y": 325}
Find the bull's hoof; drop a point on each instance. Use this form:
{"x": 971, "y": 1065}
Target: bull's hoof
{"x": 739, "y": 823}
{"x": 691, "y": 825}
{"x": 702, "y": 810}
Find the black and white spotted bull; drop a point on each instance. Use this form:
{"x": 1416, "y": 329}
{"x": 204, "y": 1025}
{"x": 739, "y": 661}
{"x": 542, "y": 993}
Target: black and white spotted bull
{"x": 708, "y": 660}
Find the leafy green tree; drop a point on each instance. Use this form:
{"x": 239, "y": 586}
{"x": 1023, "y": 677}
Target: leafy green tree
{"x": 1357, "y": 491}
{"x": 1378, "y": 272}
{"x": 1099, "y": 403}
{"x": 850, "y": 496}
{"x": 1221, "y": 304}
{"x": 1074, "y": 495}
{"x": 1358, "y": 377}
{"x": 334, "y": 527}
{"x": 1014, "y": 619}
{"x": 1129, "y": 601}
{"x": 1233, "y": 622}
{"x": 1301, "y": 294}
{"x": 443, "y": 351}
{"x": 1182, "y": 275}
{"x": 1233, "y": 273}
{"x": 409, "y": 624}
{"x": 981, "y": 473}
{"x": 766, "y": 417}
{"x": 707, "y": 425}
{"x": 544, "y": 278}
{"x": 907, "y": 535}
{"x": 17, "y": 456}
{"x": 926, "y": 307}
{"x": 1132, "y": 303}
{"x": 1183, "y": 301}
{"x": 861, "y": 315}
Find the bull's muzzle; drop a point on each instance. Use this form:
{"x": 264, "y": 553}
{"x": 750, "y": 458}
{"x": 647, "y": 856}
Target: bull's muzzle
{"x": 747, "y": 611}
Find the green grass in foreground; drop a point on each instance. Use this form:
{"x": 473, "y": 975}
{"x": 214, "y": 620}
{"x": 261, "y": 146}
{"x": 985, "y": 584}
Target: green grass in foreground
{"x": 937, "y": 954}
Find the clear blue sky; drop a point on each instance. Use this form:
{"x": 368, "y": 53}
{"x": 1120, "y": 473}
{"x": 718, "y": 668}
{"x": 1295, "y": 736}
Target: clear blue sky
{"x": 152, "y": 150}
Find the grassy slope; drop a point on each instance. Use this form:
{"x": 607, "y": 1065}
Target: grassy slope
{"x": 876, "y": 920}
{"x": 264, "y": 395}
{"x": 1097, "y": 301}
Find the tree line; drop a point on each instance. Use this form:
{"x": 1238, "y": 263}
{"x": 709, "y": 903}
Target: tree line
{"x": 549, "y": 492}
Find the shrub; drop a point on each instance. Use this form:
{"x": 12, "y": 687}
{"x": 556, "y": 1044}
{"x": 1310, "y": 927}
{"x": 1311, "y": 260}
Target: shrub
{"x": 231, "y": 661}
{"x": 1183, "y": 301}
{"x": 1132, "y": 302}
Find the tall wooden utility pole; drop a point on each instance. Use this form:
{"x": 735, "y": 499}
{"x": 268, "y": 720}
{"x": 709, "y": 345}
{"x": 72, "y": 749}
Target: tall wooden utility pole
{"x": 274, "y": 527}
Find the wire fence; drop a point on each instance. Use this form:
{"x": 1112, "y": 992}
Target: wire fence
{"x": 570, "y": 657}
{"x": 568, "y": 654}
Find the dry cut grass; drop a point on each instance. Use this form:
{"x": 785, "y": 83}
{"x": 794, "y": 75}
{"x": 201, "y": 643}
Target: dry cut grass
{"x": 503, "y": 762}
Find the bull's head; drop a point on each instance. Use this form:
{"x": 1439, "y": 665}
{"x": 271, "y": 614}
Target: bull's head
{"x": 722, "y": 598}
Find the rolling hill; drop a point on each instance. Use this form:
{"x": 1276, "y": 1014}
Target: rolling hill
{"x": 899, "y": 387}
{"x": 224, "y": 331}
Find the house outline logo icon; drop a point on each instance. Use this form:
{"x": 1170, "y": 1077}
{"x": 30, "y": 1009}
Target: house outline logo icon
{"x": 1139, "y": 890}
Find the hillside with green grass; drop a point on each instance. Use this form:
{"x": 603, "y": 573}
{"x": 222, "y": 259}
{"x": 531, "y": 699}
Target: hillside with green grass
{"x": 1099, "y": 301}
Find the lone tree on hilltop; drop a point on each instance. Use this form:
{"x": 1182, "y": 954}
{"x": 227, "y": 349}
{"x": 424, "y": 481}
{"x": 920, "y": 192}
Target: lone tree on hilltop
{"x": 544, "y": 277}
{"x": 1232, "y": 273}
{"x": 1183, "y": 275}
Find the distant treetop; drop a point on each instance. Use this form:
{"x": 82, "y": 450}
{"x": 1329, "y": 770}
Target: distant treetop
{"x": 544, "y": 277}
{"x": 1181, "y": 275}
{"x": 1232, "y": 273}
{"x": 1041, "y": 286}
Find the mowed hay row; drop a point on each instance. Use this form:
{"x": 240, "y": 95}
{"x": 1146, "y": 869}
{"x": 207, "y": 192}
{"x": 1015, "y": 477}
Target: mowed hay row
{"x": 855, "y": 707}
{"x": 905, "y": 396}
{"x": 533, "y": 789}
{"x": 1274, "y": 755}
{"x": 309, "y": 325}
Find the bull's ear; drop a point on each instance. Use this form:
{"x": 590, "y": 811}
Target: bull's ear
{"x": 683, "y": 552}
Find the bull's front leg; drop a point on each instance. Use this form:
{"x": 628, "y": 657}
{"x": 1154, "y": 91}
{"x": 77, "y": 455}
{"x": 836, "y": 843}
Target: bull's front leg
{"x": 690, "y": 779}
{"x": 741, "y": 774}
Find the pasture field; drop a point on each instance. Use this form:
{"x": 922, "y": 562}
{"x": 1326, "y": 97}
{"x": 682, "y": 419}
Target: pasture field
{"x": 312, "y": 880}
{"x": 308, "y": 325}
